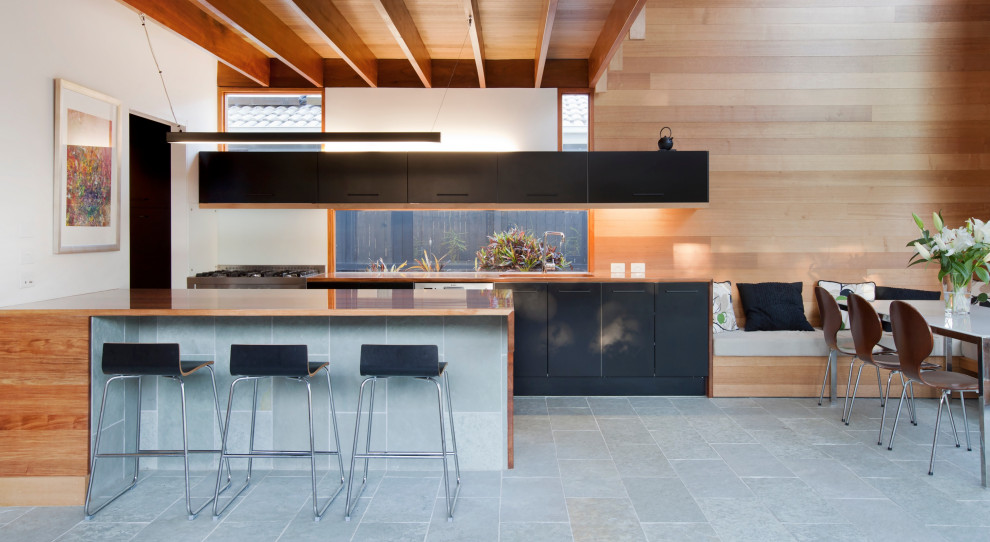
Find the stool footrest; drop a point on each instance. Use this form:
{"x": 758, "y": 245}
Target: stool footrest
{"x": 411, "y": 455}
{"x": 154, "y": 453}
{"x": 278, "y": 453}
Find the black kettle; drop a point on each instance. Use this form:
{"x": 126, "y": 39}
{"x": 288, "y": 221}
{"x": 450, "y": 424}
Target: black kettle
{"x": 666, "y": 142}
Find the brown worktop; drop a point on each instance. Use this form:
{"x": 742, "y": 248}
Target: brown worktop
{"x": 556, "y": 276}
{"x": 369, "y": 302}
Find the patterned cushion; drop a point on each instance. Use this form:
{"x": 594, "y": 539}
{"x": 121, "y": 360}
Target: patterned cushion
{"x": 840, "y": 291}
{"x": 723, "y": 315}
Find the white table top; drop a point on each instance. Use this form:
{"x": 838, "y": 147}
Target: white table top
{"x": 974, "y": 326}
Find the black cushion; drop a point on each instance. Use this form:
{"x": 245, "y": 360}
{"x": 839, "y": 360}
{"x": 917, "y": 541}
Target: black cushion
{"x": 773, "y": 306}
{"x": 400, "y": 360}
{"x": 887, "y": 292}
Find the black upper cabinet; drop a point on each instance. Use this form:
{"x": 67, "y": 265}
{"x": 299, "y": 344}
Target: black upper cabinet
{"x": 627, "y": 329}
{"x": 452, "y": 177}
{"x": 543, "y": 177}
{"x": 362, "y": 177}
{"x": 257, "y": 177}
{"x": 648, "y": 177}
{"x": 683, "y": 328}
{"x": 574, "y": 316}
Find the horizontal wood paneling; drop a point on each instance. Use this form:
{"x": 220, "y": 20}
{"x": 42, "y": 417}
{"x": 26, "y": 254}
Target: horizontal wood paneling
{"x": 828, "y": 122}
{"x": 44, "y": 396}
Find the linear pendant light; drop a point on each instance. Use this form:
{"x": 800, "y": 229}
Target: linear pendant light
{"x": 289, "y": 138}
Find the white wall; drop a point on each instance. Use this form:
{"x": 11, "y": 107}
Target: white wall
{"x": 509, "y": 119}
{"x": 99, "y": 44}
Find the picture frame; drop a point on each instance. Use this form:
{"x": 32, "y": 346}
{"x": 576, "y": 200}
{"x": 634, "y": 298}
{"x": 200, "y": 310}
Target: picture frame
{"x": 87, "y": 170}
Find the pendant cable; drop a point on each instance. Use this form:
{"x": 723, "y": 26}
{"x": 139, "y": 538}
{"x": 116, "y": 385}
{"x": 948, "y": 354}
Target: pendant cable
{"x": 451, "y": 79}
{"x": 157, "y": 67}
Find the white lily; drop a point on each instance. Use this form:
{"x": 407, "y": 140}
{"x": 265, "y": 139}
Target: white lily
{"x": 924, "y": 251}
{"x": 981, "y": 230}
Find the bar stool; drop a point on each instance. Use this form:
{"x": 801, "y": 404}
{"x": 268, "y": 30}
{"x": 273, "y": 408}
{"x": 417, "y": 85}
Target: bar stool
{"x": 123, "y": 361}
{"x": 422, "y": 362}
{"x": 252, "y": 362}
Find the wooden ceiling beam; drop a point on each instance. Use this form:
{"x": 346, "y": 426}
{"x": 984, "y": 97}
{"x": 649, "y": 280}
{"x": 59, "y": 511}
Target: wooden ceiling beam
{"x": 189, "y": 21}
{"x": 477, "y": 39}
{"x": 258, "y": 23}
{"x": 619, "y": 20}
{"x": 547, "y": 16}
{"x": 400, "y": 23}
{"x": 327, "y": 21}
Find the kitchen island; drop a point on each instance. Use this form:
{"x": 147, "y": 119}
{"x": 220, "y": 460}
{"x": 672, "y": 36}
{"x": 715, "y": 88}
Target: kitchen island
{"x": 50, "y": 355}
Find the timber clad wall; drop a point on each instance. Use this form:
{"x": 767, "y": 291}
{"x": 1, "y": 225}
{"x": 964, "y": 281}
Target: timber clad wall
{"x": 829, "y": 122}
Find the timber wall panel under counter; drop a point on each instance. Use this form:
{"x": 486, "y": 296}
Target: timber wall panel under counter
{"x": 827, "y": 124}
{"x": 51, "y": 369}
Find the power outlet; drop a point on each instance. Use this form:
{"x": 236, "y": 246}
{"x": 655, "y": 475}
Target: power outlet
{"x": 637, "y": 268}
{"x": 27, "y": 280}
{"x": 618, "y": 267}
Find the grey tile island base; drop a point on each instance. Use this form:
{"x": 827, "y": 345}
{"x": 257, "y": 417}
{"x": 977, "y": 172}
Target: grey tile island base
{"x": 44, "y": 459}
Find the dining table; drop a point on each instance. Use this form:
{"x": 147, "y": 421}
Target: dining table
{"x": 974, "y": 328}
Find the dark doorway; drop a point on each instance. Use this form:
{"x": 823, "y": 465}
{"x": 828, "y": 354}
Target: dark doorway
{"x": 151, "y": 204}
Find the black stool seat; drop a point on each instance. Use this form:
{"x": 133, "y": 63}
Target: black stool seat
{"x": 415, "y": 360}
{"x": 290, "y": 360}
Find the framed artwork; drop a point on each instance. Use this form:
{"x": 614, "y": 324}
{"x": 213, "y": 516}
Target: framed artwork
{"x": 87, "y": 170}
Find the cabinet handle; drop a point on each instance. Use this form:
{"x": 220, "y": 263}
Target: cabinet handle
{"x": 681, "y": 291}
{"x": 645, "y": 194}
{"x": 541, "y": 195}
{"x": 628, "y": 291}
{"x": 452, "y": 195}
{"x": 574, "y": 291}
{"x": 369, "y": 195}
{"x": 261, "y": 195}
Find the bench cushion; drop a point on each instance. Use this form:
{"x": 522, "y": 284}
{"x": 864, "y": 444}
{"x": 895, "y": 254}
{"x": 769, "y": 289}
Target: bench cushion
{"x": 797, "y": 343}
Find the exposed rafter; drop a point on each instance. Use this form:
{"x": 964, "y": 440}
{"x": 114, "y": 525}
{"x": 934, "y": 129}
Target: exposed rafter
{"x": 189, "y": 21}
{"x": 477, "y": 40}
{"x": 547, "y": 15}
{"x": 400, "y": 23}
{"x": 324, "y": 17}
{"x": 620, "y": 18}
{"x": 257, "y": 22}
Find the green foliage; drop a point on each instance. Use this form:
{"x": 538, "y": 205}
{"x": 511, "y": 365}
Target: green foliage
{"x": 454, "y": 243}
{"x": 962, "y": 253}
{"x": 515, "y": 250}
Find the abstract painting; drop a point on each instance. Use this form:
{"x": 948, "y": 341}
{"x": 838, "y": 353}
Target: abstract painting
{"x": 87, "y": 207}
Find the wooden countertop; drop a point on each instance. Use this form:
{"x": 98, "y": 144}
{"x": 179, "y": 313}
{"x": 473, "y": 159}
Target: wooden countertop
{"x": 557, "y": 276}
{"x": 371, "y": 302}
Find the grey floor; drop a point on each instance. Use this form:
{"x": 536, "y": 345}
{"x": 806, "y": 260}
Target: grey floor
{"x": 609, "y": 469}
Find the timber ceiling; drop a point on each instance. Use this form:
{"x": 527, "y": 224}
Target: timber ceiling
{"x": 401, "y": 43}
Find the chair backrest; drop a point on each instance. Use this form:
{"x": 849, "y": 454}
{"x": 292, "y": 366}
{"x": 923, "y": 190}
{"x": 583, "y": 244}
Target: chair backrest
{"x": 400, "y": 360}
{"x": 865, "y": 325}
{"x": 912, "y": 336}
{"x": 141, "y": 359}
{"x": 831, "y": 317}
{"x": 269, "y": 360}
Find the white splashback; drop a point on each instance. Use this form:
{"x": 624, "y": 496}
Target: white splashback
{"x": 271, "y": 237}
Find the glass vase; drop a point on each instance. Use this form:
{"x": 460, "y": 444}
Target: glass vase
{"x": 956, "y": 295}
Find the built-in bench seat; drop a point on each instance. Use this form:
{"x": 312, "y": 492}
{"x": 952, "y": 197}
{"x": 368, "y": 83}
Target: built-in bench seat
{"x": 791, "y": 363}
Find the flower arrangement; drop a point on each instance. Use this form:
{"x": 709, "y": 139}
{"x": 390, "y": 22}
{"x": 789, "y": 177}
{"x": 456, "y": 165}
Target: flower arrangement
{"x": 962, "y": 253}
{"x": 515, "y": 250}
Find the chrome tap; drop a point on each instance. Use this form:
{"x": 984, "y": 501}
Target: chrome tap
{"x": 548, "y": 264}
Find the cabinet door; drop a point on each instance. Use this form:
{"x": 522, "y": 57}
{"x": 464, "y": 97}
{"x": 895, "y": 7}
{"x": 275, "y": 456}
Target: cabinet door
{"x": 543, "y": 177}
{"x": 151, "y": 230}
{"x": 645, "y": 177}
{"x": 452, "y": 177}
{"x": 574, "y": 329}
{"x": 682, "y": 328}
{"x": 150, "y": 164}
{"x": 257, "y": 177}
{"x": 627, "y": 329}
{"x": 530, "y": 304}
{"x": 362, "y": 177}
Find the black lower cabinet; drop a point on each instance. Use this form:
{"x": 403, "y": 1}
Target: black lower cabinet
{"x": 627, "y": 329}
{"x": 683, "y": 329}
{"x": 574, "y": 329}
{"x": 611, "y": 338}
{"x": 530, "y": 303}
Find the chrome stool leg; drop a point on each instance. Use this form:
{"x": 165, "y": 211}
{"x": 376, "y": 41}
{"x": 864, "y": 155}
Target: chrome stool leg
{"x": 453, "y": 437}
{"x": 357, "y": 434}
{"x": 225, "y": 454}
{"x": 97, "y": 455}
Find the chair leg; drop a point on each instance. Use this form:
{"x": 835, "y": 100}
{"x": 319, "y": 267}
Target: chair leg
{"x": 849, "y": 379}
{"x": 336, "y": 435}
{"x": 185, "y": 446}
{"x": 354, "y": 447}
{"x": 443, "y": 447}
{"x": 852, "y": 402}
{"x": 897, "y": 416}
{"x": 914, "y": 414}
{"x": 883, "y": 399}
{"x": 952, "y": 420}
{"x": 938, "y": 418}
{"x": 453, "y": 437}
{"x": 832, "y": 354}
{"x": 883, "y": 414}
{"x": 371, "y": 421}
{"x": 962, "y": 403}
{"x": 216, "y": 403}
{"x": 217, "y": 510}
{"x": 96, "y": 455}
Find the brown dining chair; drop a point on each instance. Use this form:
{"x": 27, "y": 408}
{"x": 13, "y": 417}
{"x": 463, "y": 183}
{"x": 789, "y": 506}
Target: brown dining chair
{"x": 831, "y": 324}
{"x": 913, "y": 339}
{"x": 864, "y": 323}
